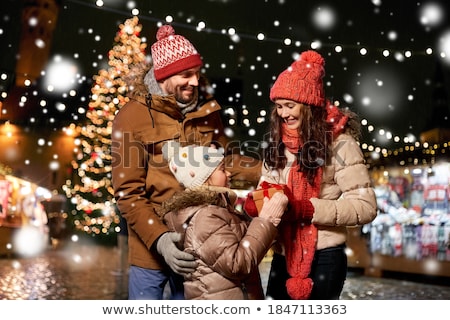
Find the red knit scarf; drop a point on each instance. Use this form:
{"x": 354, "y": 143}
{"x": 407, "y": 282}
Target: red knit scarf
{"x": 298, "y": 237}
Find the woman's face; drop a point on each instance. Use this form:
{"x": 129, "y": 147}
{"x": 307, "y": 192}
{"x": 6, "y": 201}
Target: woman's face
{"x": 290, "y": 111}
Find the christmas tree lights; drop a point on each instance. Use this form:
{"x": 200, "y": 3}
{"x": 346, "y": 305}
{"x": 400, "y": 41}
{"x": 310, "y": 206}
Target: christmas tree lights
{"x": 92, "y": 207}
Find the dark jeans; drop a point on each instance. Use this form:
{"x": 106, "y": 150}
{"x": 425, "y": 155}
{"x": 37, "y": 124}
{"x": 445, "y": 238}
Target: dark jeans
{"x": 328, "y": 272}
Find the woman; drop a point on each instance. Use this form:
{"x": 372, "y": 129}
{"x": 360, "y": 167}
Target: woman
{"x": 313, "y": 149}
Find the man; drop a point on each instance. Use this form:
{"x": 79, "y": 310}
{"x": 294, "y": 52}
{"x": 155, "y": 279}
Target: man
{"x": 170, "y": 103}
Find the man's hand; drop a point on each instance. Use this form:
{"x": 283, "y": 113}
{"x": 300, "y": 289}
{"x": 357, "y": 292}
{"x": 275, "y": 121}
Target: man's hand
{"x": 179, "y": 261}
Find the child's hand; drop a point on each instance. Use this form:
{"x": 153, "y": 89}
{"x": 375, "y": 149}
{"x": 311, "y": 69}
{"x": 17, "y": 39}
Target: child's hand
{"x": 274, "y": 208}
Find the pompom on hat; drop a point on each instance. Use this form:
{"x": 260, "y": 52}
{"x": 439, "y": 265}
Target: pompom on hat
{"x": 172, "y": 53}
{"x": 302, "y": 81}
{"x": 191, "y": 165}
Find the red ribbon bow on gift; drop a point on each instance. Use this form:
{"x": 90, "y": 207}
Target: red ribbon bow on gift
{"x": 265, "y": 186}
{"x": 249, "y": 203}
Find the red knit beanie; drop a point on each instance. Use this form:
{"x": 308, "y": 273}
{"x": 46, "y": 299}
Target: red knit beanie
{"x": 302, "y": 81}
{"x": 172, "y": 53}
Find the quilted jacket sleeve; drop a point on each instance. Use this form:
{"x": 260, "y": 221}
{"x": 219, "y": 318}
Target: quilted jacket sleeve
{"x": 347, "y": 198}
{"x": 225, "y": 244}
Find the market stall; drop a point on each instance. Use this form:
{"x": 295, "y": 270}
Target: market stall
{"x": 412, "y": 230}
{"x": 20, "y": 207}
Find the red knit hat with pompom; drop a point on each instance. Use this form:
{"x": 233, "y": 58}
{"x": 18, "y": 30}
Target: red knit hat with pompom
{"x": 302, "y": 81}
{"x": 172, "y": 53}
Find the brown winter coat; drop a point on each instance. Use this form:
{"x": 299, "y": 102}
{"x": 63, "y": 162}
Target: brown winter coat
{"x": 346, "y": 196}
{"x": 140, "y": 175}
{"x": 227, "y": 246}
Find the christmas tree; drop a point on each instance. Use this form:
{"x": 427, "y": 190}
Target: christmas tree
{"x": 92, "y": 208}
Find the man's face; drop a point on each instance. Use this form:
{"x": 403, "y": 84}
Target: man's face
{"x": 182, "y": 85}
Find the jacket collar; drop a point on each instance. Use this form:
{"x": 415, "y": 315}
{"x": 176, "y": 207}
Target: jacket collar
{"x": 168, "y": 105}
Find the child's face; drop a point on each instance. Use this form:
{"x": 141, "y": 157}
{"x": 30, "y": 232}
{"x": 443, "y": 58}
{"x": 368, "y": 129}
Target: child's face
{"x": 220, "y": 177}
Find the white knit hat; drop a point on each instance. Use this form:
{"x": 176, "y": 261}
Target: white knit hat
{"x": 191, "y": 165}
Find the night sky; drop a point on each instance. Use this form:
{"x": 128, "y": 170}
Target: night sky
{"x": 243, "y": 45}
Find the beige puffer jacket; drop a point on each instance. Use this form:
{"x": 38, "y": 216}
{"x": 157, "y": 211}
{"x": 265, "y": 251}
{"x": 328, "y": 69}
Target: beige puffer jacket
{"x": 227, "y": 244}
{"x": 346, "y": 196}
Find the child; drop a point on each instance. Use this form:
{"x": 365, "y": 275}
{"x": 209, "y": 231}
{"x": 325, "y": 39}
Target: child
{"x": 228, "y": 245}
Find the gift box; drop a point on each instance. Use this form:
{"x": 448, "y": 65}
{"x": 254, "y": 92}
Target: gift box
{"x": 255, "y": 199}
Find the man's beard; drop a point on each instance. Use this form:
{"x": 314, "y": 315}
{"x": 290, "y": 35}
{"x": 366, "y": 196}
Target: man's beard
{"x": 190, "y": 105}
{"x": 181, "y": 99}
